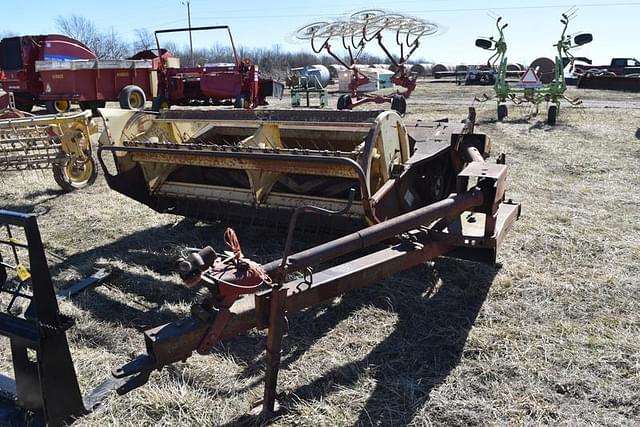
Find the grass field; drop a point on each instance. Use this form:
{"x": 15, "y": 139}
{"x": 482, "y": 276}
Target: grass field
{"x": 551, "y": 335}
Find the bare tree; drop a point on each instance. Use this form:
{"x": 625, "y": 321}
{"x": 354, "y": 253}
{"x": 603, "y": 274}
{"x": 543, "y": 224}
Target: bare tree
{"x": 81, "y": 29}
{"x": 113, "y": 46}
{"x": 105, "y": 44}
{"x": 144, "y": 40}
{"x": 6, "y": 33}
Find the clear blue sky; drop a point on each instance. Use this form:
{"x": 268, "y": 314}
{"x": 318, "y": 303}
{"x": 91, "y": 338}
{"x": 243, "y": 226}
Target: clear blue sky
{"x": 534, "y": 25}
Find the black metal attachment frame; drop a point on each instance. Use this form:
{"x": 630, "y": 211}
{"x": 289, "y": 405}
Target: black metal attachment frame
{"x": 45, "y": 379}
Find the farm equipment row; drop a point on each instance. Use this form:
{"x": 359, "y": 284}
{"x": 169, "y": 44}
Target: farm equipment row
{"x": 354, "y": 34}
{"x": 56, "y": 70}
{"x": 406, "y": 193}
{"x": 530, "y": 89}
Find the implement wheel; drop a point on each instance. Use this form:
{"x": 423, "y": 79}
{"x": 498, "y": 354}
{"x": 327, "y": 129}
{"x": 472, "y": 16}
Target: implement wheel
{"x": 160, "y": 103}
{"x": 399, "y": 104}
{"x": 502, "y": 112}
{"x": 132, "y": 98}
{"x": 552, "y": 115}
{"x": 75, "y": 174}
{"x": 58, "y": 106}
{"x": 344, "y": 102}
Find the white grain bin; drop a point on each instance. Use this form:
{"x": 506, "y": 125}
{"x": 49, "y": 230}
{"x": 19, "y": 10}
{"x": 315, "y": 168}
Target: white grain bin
{"x": 319, "y": 71}
{"x": 335, "y": 69}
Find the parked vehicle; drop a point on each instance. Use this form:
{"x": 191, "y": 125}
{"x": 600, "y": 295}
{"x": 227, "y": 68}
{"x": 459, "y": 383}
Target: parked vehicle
{"x": 618, "y": 66}
{"x": 18, "y": 74}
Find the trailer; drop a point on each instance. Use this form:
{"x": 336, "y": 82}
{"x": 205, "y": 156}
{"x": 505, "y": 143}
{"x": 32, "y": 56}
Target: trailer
{"x": 93, "y": 82}
{"x": 18, "y": 74}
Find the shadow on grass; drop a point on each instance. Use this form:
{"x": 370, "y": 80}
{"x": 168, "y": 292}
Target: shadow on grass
{"x": 146, "y": 261}
{"x": 426, "y": 345}
{"x": 435, "y": 314}
{"x": 34, "y": 201}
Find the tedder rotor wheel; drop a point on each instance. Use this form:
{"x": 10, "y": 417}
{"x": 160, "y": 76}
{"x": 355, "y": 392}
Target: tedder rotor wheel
{"x": 502, "y": 112}
{"x": 132, "y": 97}
{"x": 552, "y": 115}
{"x": 344, "y": 102}
{"x": 75, "y": 174}
{"x": 58, "y": 106}
{"x": 399, "y": 104}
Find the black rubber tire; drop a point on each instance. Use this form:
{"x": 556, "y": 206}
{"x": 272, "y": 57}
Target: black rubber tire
{"x": 132, "y": 97}
{"x": 502, "y": 112}
{"x": 399, "y": 104}
{"x": 27, "y": 108}
{"x": 64, "y": 181}
{"x": 240, "y": 101}
{"x": 552, "y": 115}
{"x": 345, "y": 103}
{"x": 54, "y": 107}
{"x": 159, "y": 103}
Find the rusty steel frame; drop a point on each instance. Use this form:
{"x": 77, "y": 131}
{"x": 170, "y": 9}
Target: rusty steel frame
{"x": 411, "y": 238}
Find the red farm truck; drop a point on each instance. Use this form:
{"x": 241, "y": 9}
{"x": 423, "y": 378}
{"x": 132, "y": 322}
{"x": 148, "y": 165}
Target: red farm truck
{"x": 18, "y": 74}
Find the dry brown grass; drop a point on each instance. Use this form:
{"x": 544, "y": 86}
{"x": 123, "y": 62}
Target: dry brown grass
{"x": 550, "y": 336}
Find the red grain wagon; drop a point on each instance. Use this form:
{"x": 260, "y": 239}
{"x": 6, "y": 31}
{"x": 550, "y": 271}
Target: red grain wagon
{"x": 18, "y": 74}
{"x": 93, "y": 82}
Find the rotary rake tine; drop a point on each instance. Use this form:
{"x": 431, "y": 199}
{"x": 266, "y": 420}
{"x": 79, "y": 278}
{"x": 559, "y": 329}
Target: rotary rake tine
{"x": 354, "y": 34}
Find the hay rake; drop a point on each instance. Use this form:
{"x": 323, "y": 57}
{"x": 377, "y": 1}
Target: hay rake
{"x": 61, "y": 143}
{"x": 532, "y": 92}
{"x": 354, "y": 34}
